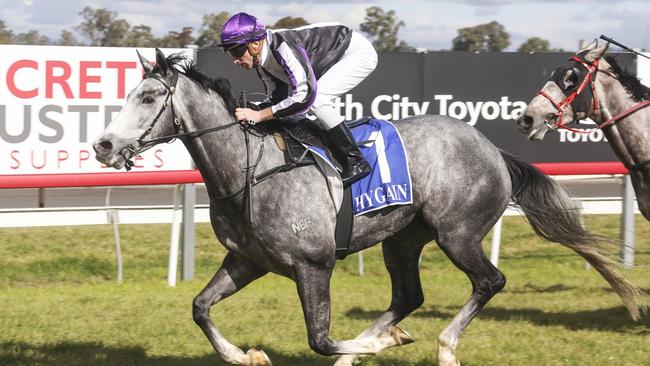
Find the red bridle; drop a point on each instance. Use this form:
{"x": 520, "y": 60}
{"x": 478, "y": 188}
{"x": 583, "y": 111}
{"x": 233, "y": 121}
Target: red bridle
{"x": 562, "y": 106}
{"x": 589, "y": 78}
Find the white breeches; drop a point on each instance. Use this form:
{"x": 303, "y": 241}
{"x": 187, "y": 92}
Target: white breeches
{"x": 358, "y": 61}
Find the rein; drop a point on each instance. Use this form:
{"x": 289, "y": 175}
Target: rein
{"x": 169, "y": 101}
{"x": 250, "y": 178}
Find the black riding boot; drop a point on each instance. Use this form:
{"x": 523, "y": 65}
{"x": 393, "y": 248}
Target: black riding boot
{"x": 347, "y": 153}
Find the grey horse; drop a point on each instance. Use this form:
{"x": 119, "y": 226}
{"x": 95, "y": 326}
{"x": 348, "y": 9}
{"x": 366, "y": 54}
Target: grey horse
{"x": 611, "y": 97}
{"x": 461, "y": 185}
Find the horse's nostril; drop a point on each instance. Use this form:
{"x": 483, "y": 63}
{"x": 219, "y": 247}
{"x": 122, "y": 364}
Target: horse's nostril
{"x": 526, "y": 121}
{"x": 106, "y": 145}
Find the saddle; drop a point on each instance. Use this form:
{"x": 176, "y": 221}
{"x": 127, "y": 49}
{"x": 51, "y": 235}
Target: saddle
{"x": 293, "y": 136}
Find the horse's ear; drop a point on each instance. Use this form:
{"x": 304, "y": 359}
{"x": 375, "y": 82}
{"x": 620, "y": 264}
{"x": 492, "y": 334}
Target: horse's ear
{"x": 590, "y": 46}
{"x": 146, "y": 65}
{"x": 161, "y": 61}
{"x": 596, "y": 52}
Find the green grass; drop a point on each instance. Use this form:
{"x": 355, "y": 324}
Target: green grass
{"x": 60, "y": 305}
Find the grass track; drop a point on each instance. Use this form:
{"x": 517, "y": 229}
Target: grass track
{"x": 59, "y": 304}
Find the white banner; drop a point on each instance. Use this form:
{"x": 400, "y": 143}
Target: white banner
{"x": 55, "y": 100}
{"x": 643, "y": 68}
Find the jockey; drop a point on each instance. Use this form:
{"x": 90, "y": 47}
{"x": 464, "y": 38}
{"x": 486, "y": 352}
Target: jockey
{"x": 304, "y": 70}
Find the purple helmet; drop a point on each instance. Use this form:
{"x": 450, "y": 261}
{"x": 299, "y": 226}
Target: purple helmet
{"x": 241, "y": 28}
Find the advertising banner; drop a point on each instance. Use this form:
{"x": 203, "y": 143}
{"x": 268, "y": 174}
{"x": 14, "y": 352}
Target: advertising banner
{"x": 486, "y": 90}
{"x": 55, "y": 100}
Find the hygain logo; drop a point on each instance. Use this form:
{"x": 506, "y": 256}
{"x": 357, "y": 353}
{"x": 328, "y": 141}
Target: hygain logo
{"x": 394, "y": 107}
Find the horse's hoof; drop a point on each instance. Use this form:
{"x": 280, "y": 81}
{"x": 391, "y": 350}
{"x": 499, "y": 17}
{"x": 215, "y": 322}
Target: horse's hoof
{"x": 349, "y": 360}
{"x": 400, "y": 336}
{"x": 258, "y": 357}
{"x": 447, "y": 358}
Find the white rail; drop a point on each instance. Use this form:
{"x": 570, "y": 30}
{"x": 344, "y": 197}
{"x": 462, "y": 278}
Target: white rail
{"x": 74, "y": 216}
{"x": 163, "y": 214}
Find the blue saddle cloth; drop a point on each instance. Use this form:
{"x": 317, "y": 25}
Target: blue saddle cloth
{"x": 389, "y": 183}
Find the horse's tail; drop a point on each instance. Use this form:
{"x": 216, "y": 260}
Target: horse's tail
{"x": 553, "y": 215}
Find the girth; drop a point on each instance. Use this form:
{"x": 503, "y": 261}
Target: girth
{"x": 293, "y": 137}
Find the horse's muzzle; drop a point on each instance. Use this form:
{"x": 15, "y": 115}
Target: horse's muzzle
{"x": 525, "y": 123}
{"x": 107, "y": 154}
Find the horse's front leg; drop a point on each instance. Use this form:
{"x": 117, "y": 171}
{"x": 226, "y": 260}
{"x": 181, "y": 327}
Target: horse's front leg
{"x": 234, "y": 274}
{"x": 314, "y": 290}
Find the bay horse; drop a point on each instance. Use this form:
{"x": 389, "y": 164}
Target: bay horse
{"x": 461, "y": 185}
{"x": 596, "y": 87}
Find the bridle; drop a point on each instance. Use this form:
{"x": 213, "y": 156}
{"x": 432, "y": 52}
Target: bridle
{"x": 140, "y": 145}
{"x": 590, "y": 79}
{"x": 171, "y": 89}
{"x": 561, "y": 107}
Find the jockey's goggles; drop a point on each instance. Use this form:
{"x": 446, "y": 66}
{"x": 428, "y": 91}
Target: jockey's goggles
{"x": 237, "y": 50}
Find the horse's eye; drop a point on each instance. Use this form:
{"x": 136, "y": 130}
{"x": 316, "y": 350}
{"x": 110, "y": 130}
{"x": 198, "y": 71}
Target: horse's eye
{"x": 148, "y": 100}
{"x": 570, "y": 78}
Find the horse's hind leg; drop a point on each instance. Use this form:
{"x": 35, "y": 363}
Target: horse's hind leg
{"x": 234, "y": 274}
{"x": 313, "y": 283}
{"x": 466, "y": 253}
{"x": 401, "y": 257}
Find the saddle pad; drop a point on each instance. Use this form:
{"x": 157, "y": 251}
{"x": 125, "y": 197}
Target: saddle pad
{"x": 389, "y": 183}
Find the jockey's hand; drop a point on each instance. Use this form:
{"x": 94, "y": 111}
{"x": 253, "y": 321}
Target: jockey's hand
{"x": 249, "y": 116}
